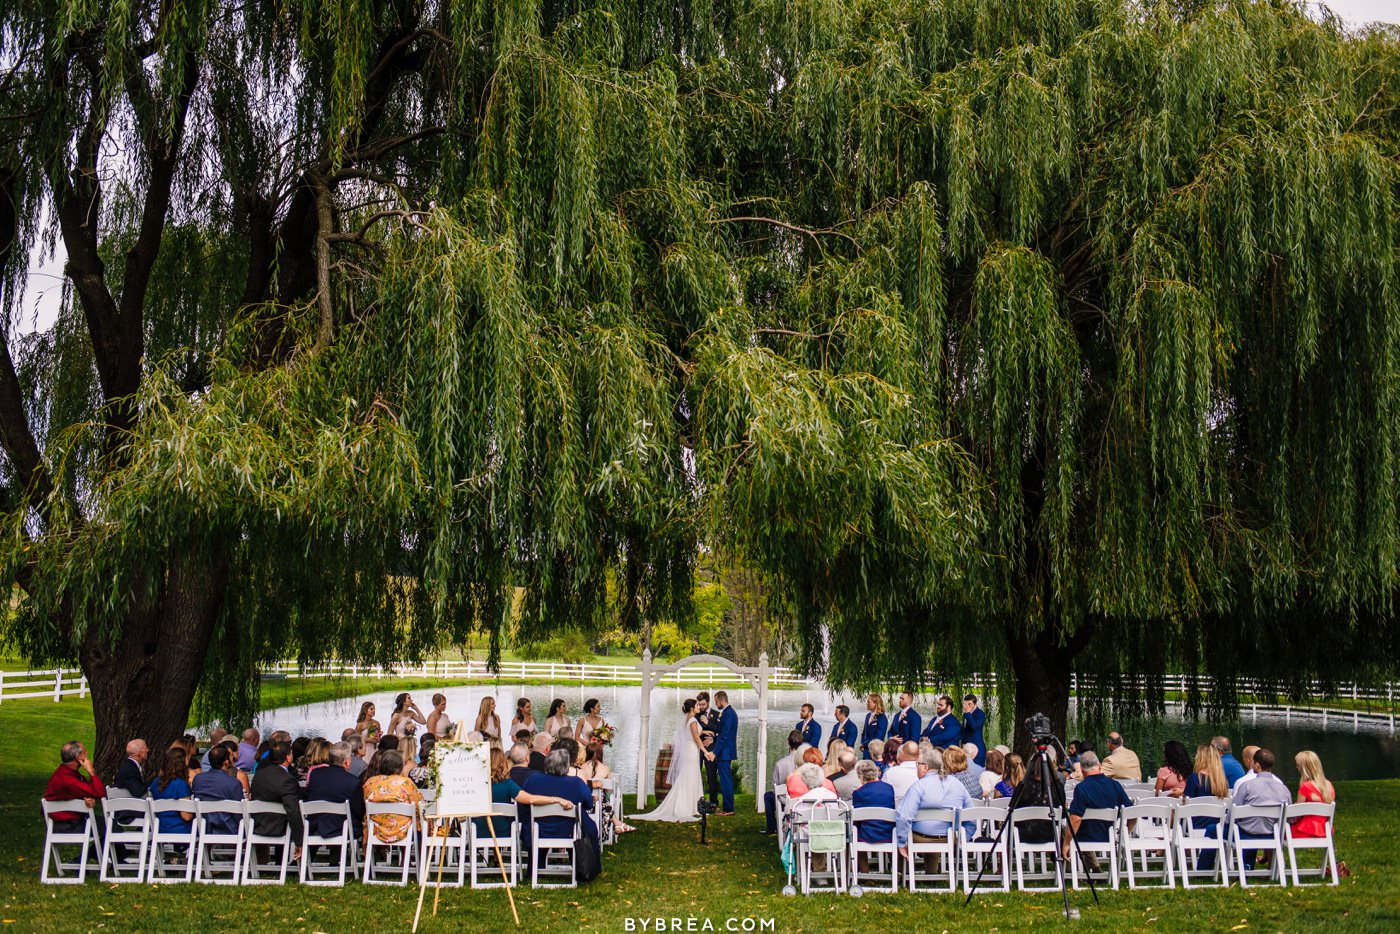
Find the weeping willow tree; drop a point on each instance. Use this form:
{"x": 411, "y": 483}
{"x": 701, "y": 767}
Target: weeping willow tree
{"x": 1027, "y": 336}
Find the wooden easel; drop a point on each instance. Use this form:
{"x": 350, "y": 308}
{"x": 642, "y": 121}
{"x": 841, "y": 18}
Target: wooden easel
{"x": 442, "y": 858}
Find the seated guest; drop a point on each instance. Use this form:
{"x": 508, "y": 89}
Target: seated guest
{"x": 796, "y": 787}
{"x": 216, "y": 736}
{"x": 935, "y": 788}
{"x": 846, "y": 781}
{"x": 539, "y": 748}
{"x": 1121, "y": 762}
{"x": 1095, "y": 790}
{"x": 74, "y": 779}
{"x": 569, "y": 745}
{"x": 1176, "y": 768}
{"x": 872, "y": 793}
{"x": 519, "y": 763}
{"x": 1246, "y": 760}
{"x": 833, "y": 751}
{"x": 173, "y": 784}
{"x": 905, "y": 772}
{"x": 1265, "y": 789}
{"x": 504, "y": 790}
{"x": 814, "y": 785}
{"x": 131, "y": 774}
{"x": 782, "y": 770}
{"x": 231, "y": 745}
{"x": 555, "y": 782}
{"x": 1228, "y": 763}
{"x": 390, "y": 786}
{"x": 971, "y": 777}
{"x": 356, "y": 744}
{"x": 248, "y": 750}
{"x": 1015, "y": 774}
{"x": 992, "y": 775}
{"x": 1206, "y": 780}
{"x": 186, "y": 745}
{"x": 1036, "y": 794}
{"x": 219, "y": 784}
{"x": 1313, "y": 788}
{"x": 876, "y": 753}
{"x": 419, "y": 774}
{"x": 594, "y": 770}
{"x": 334, "y": 783}
{"x": 274, "y": 782}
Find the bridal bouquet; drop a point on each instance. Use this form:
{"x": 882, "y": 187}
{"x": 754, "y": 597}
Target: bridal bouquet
{"x": 410, "y": 729}
{"x": 605, "y": 734}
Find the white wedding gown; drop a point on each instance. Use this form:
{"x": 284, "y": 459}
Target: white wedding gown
{"x": 686, "y": 783}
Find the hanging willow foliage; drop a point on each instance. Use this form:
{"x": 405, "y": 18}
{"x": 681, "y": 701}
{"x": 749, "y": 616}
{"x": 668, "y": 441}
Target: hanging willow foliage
{"x": 1026, "y": 336}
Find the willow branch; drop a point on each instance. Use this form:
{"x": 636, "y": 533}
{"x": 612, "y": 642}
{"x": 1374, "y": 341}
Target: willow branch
{"x": 813, "y": 233}
{"x": 325, "y": 220}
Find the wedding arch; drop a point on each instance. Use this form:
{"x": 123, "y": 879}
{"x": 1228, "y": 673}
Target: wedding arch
{"x": 756, "y": 676}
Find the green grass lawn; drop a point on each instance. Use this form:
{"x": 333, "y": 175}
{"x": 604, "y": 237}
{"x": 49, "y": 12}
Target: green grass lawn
{"x": 659, "y": 871}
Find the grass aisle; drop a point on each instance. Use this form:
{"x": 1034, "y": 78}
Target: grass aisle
{"x": 657, "y": 872}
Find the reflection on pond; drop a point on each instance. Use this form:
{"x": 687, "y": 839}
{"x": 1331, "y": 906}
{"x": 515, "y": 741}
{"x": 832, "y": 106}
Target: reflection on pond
{"x": 1369, "y": 753}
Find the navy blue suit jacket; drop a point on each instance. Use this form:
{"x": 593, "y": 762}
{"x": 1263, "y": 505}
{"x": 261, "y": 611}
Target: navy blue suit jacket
{"x": 946, "y": 733}
{"x": 907, "y": 725}
{"x": 811, "y": 733}
{"x": 845, "y": 732}
{"x": 726, "y": 740}
{"x": 875, "y": 727}
{"x": 336, "y": 785}
{"x": 973, "y": 725}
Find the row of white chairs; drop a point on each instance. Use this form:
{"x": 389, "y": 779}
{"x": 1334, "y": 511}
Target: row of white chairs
{"x": 134, "y": 848}
{"x": 1153, "y": 842}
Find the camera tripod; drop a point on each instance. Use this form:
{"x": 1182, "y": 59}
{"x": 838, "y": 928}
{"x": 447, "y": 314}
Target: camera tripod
{"x": 1052, "y": 791}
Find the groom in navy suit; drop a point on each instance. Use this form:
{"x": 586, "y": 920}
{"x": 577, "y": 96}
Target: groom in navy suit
{"x": 726, "y": 750}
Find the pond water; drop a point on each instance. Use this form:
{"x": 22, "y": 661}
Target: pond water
{"x": 1370, "y": 752}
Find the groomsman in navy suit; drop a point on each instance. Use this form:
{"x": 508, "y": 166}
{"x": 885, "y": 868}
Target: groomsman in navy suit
{"x": 974, "y": 722}
{"x": 844, "y": 729}
{"x": 944, "y": 728}
{"x": 907, "y": 722}
{"x": 876, "y": 723}
{"x": 810, "y": 729}
{"x": 726, "y": 751}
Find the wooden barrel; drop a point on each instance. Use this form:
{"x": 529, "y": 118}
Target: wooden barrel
{"x": 663, "y": 765}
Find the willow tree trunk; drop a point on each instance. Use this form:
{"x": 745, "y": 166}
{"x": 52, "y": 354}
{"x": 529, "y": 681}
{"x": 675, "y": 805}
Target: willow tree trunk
{"x": 143, "y": 682}
{"x": 1043, "y": 663}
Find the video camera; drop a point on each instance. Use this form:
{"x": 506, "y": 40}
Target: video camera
{"x": 1042, "y": 732}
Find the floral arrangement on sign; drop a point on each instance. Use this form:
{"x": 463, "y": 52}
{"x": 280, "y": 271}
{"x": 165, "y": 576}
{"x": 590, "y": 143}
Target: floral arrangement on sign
{"x": 604, "y": 734}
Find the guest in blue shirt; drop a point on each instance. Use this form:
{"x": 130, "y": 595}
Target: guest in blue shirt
{"x": 556, "y": 784}
{"x": 172, "y": 784}
{"x": 935, "y": 789}
{"x": 1097, "y": 790}
{"x": 810, "y": 729}
{"x": 974, "y": 726}
{"x": 844, "y": 729}
{"x": 219, "y": 784}
{"x": 1228, "y": 763}
{"x": 876, "y": 725}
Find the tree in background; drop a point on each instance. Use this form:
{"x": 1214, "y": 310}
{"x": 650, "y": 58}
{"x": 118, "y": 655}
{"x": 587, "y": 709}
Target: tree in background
{"x": 1027, "y": 336}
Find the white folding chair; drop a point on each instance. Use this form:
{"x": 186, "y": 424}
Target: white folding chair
{"x": 252, "y": 840}
{"x": 1003, "y": 804}
{"x": 985, "y": 847}
{"x": 114, "y": 793}
{"x": 1324, "y": 843}
{"x": 156, "y": 867}
{"x": 340, "y": 860}
{"x": 1192, "y": 842}
{"x": 944, "y": 849}
{"x": 215, "y": 843}
{"x": 1272, "y": 844}
{"x": 1145, "y": 833}
{"x": 1107, "y": 851}
{"x": 442, "y": 854}
{"x": 482, "y": 853}
{"x": 1040, "y": 856}
{"x": 822, "y": 830}
{"x": 128, "y": 822}
{"x": 876, "y": 853}
{"x": 404, "y": 848}
{"x": 542, "y": 848}
{"x": 53, "y": 839}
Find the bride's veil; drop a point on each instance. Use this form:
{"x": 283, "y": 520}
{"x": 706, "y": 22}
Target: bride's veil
{"x": 681, "y": 745}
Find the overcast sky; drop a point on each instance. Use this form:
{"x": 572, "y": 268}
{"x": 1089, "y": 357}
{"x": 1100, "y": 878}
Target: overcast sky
{"x": 44, "y": 286}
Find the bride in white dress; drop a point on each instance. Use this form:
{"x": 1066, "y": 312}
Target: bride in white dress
{"x": 684, "y": 775}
